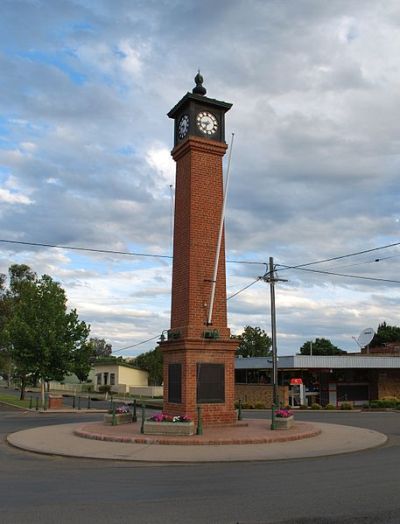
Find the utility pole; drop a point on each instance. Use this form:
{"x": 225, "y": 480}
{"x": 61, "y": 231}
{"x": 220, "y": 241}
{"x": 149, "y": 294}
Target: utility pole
{"x": 272, "y": 279}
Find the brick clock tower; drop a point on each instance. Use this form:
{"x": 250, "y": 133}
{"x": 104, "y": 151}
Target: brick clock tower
{"x": 198, "y": 353}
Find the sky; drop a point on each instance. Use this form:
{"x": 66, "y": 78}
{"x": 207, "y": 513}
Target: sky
{"x": 85, "y": 141}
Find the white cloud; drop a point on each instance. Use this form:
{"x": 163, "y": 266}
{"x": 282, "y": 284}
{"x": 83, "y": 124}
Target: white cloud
{"x": 85, "y": 153}
{"x": 8, "y": 197}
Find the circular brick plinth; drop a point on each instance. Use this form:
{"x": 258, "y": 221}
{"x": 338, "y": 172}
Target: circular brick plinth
{"x": 254, "y": 432}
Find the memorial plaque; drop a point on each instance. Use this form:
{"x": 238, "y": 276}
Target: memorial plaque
{"x": 175, "y": 383}
{"x": 210, "y": 383}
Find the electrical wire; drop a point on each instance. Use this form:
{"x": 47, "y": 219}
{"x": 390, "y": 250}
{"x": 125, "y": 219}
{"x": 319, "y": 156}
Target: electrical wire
{"x": 109, "y": 251}
{"x": 92, "y": 250}
{"x": 341, "y": 256}
{"x": 341, "y": 274}
{"x": 135, "y": 345}
{"x": 243, "y": 289}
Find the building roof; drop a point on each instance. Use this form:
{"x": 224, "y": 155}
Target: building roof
{"x": 110, "y": 363}
{"x": 321, "y": 362}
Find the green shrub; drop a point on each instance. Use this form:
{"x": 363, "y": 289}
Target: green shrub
{"x": 330, "y": 406}
{"x": 346, "y": 405}
{"x": 316, "y": 406}
{"x": 303, "y": 406}
{"x": 260, "y": 405}
{"x": 105, "y": 389}
{"x": 384, "y": 403}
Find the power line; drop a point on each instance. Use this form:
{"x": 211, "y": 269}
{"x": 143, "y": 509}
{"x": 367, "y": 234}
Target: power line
{"x": 110, "y": 251}
{"x": 75, "y": 248}
{"x": 340, "y": 257}
{"x": 342, "y": 274}
{"x": 374, "y": 261}
{"x": 138, "y": 344}
{"x": 243, "y": 289}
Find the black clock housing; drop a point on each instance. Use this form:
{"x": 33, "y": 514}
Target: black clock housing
{"x": 191, "y": 105}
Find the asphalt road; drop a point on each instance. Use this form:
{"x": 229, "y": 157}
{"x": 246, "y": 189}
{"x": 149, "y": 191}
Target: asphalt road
{"x": 361, "y": 487}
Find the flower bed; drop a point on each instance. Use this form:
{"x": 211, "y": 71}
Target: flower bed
{"x": 283, "y": 419}
{"x": 163, "y": 424}
{"x": 122, "y": 416}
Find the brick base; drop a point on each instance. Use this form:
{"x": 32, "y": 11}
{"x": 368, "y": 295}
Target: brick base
{"x": 189, "y": 353}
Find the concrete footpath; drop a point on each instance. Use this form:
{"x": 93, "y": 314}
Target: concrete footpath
{"x": 96, "y": 441}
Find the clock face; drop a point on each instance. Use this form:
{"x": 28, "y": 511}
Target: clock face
{"x": 183, "y": 126}
{"x": 207, "y": 123}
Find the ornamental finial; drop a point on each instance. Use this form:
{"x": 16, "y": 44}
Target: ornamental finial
{"x": 199, "y": 89}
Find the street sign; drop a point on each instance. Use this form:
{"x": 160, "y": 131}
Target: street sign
{"x": 296, "y": 381}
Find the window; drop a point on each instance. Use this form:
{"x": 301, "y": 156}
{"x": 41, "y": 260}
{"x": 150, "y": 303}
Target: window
{"x": 112, "y": 379}
{"x": 98, "y": 379}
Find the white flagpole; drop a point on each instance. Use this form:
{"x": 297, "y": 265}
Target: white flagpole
{"x": 221, "y": 230}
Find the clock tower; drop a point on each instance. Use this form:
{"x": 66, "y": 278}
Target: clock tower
{"x": 198, "y": 352}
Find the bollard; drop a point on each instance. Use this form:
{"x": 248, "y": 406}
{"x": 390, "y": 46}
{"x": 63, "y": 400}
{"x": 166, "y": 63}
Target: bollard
{"x": 113, "y": 416}
{"x": 134, "y": 416}
{"x": 273, "y": 417}
{"x": 37, "y": 404}
{"x": 240, "y": 410}
{"x": 199, "y": 422}
{"x": 143, "y": 415}
{"x": 79, "y": 402}
{"x": 30, "y": 403}
{"x": 73, "y": 401}
{"x": 88, "y": 402}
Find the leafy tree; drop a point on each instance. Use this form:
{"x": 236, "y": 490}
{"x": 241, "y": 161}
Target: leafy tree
{"x": 100, "y": 348}
{"x": 152, "y": 362}
{"x": 254, "y": 342}
{"x": 6, "y": 365}
{"x": 385, "y": 334}
{"x": 44, "y": 339}
{"x": 320, "y": 346}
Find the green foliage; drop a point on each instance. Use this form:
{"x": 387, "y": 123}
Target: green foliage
{"x": 100, "y": 348}
{"x": 316, "y": 406}
{"x": 346, "y": 406}
{"x": 152, "y": 362}
{"x": 105, "y": 388}
{"x": 254, "y": 342}
{"x": 385, "y": 403}
{"x": 320, "y": 346}
{"x": 385, "y": 334}
{"x": 330, "y": 407}
{"x": 44, "y": 340}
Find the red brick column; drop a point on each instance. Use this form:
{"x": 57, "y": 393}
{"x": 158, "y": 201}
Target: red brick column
{"x": 198, "y": 208}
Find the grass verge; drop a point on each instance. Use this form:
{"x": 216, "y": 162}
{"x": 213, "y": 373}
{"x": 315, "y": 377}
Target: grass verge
{"x": 13, "y": 401}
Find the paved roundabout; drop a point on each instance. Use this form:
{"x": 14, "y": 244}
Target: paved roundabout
{"x": 254, "y": 442}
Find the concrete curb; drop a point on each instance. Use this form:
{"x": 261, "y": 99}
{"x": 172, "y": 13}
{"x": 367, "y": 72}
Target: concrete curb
{"x": 60, "y": 440}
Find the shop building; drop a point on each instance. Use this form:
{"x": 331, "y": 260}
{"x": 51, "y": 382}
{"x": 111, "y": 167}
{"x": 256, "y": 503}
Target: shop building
{"x": 357, "y": 378}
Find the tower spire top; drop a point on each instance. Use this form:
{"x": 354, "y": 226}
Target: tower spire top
{"x": 199, "y": 89}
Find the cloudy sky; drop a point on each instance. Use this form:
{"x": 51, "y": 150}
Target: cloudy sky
{"x": 85, "y": 144}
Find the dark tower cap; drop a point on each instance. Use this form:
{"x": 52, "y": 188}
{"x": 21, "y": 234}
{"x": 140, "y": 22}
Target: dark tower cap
{"x": 199, "y": 89}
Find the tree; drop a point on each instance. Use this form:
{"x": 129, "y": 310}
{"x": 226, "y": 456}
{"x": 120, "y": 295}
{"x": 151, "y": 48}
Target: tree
{"x": 254, "y": 342}
{"x": 320, "y": 346}
{"x": 100, "y": 348}
{"x": 44, "y": 339}
{"x": 151, "y": 361}
{"x": 385, "y": 334}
